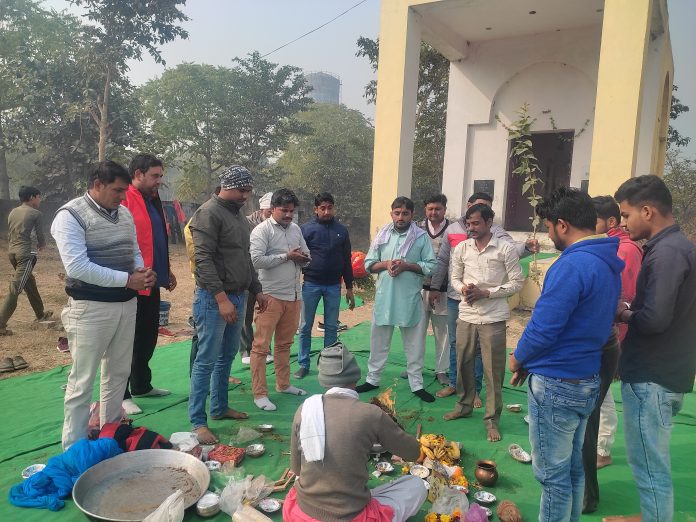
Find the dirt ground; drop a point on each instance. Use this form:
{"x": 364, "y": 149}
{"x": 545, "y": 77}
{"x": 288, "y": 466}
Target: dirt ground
{"x": 37, "y": 344}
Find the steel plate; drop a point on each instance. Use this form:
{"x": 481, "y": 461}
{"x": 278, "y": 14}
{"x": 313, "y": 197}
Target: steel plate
{"x": 130, "y": 486}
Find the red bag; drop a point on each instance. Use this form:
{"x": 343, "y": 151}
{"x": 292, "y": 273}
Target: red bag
{"x": 357, "y": 261}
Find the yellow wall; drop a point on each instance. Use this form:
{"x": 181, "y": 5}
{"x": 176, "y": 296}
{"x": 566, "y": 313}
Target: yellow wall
{"x": 625, "y": 36}
{"x": 397, "y": 84}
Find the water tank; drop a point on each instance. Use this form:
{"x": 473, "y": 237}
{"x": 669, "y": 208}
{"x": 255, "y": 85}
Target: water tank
{"x": 326, "y": 87}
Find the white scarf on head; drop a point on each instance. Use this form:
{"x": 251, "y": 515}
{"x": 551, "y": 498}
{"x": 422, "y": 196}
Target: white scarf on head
{"x": 414, "y": 232}
{"x": 312, "y": 426}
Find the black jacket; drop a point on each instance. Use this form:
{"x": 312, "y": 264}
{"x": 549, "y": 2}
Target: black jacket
{"x": 329, "y": 246}
{"x": 660, "y": 345}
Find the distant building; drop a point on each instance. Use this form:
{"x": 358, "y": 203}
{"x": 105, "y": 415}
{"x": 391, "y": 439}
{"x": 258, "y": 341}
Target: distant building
{"x": 326, "y": 87}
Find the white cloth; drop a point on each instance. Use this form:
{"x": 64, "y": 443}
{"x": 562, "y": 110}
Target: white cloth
{"x": 99, "y": 335}
{"x": 382, "y": 238}
{"x": 413, "y": 338}
{"x": 312, "y": 425}
{"x": 608, "y": 422}
{"x": 265, "y": 201}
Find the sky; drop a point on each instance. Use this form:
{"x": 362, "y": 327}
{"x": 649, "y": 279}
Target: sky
{"x": 220, "y": 30}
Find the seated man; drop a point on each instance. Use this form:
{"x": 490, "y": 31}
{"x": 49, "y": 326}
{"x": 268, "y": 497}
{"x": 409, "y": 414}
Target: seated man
{"x": 330, "y": 447}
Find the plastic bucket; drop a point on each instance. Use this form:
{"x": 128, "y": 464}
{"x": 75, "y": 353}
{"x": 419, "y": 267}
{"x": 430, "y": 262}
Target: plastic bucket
{"x": 164, "y": 313}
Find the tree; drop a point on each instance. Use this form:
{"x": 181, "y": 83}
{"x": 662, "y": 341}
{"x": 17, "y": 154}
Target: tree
{"x": 336, "y": 156}
{"x": 203, "y": 118}
{"x": 674, "y": 138}
{"x": 17, "y": 19}
{"x": 680, "y": 178}
{"x": 431, "y": 113}
{"x": 45, "y": 117}
{"x": 120, "y": 31}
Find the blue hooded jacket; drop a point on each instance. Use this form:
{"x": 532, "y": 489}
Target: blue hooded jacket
{"x": 573, "y": 317}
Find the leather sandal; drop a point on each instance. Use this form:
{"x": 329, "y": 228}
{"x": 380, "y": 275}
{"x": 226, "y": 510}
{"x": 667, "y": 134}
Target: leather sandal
{"x": 6, "y": 365}
{"x": 19, "y": 362}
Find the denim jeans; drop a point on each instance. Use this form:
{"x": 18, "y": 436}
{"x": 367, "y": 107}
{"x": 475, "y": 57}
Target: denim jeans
{"x": 218, "y": 343}
{"x": 311, "y": 293}
{"x": 558, "y": 413}
{"x": 452, "y": 316}
{"x": 648, "y": 412}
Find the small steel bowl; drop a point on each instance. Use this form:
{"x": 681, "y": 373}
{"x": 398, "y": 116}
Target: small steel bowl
{"x": 384, "y": 467}
{"x": 265, "y": 428}
{"x": 270, "y": 505}
{"x": 255, "y": 450}
{"x": 460, "y": 489}
{"x": 488, "y": 511}
{"x": 419, "y": 471}
{"x": 208, "y": 505}
{"x": 31, "y": 470}
{"x": 213, "y": 465}
{"x": 515, "y": 408}
{"x": 484, "y": 497}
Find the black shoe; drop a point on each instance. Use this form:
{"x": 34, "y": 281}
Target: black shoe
{"x": 340, "y": 328}
{"x": 424, "y": 395}
{"x": 366, "y": 387}
{"x": 301, "y": 373}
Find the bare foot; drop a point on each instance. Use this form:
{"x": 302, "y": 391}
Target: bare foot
{"x": 493, "y": 435}
{"x": 234, "y": 380}
{"x": 477, "y": 401}
{"x": 205, "y": 436}
{"x": 231, "y": 414}
{"x": 603, "y": 462}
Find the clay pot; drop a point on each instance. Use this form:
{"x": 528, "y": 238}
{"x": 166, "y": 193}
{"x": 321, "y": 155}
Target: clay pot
{"x": 486, "y": 473}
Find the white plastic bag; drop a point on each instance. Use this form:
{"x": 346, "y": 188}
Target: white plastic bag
{"x": 232, "y": 495}
{"x": 171, "y": 510}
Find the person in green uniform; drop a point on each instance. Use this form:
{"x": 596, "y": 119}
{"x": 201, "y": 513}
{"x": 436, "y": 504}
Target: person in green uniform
{"x": 21, "y": 221}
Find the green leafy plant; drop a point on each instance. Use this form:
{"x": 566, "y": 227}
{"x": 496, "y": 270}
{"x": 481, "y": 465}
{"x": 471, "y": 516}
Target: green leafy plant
{"x": 527, "y": 167}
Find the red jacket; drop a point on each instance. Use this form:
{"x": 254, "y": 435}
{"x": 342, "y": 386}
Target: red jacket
{"x": 143, "y": 225}
{"x": 631, "y": 254}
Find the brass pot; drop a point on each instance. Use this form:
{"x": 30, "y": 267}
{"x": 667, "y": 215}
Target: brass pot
{"x": 486, "y": 473}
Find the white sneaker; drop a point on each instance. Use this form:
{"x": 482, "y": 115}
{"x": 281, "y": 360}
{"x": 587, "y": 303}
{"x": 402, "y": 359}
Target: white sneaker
{"x": 130, "y": 407}
{"x": 246, "y": 360}
{"x": 269, "y": 358}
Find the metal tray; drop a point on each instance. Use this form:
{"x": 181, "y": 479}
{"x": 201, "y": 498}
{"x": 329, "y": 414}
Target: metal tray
{"x": 130, "y": 486}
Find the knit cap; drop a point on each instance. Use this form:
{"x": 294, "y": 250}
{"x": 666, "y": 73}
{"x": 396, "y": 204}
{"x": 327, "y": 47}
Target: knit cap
{"x": 337, "y": 366}
{"x": 235, "y": 177}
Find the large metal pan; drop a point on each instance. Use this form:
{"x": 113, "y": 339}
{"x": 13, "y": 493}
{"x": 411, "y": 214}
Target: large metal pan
{"x": 130, "y": 486}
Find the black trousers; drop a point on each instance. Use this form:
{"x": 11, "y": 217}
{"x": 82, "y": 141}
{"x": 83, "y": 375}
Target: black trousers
{"x": 146, "y": 331}
{"x": 610, "y": 359}
{"x": 246, "y": 339}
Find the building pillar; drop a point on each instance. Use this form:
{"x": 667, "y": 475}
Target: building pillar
{"x": 625, "y": 34}
{"x": 395, "y": 116}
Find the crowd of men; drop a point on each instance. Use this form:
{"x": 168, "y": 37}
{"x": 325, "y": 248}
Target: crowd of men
{"x": 607, "y": 307}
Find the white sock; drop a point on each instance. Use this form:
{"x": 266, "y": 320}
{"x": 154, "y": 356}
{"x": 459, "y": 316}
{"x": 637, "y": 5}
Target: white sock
{"x": 292, "y": 390}
{"x": 130, "y": 407}
{"x": 265, "y": 404}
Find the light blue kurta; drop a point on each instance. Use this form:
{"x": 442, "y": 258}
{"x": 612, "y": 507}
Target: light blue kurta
{"x": 398, "y": 301}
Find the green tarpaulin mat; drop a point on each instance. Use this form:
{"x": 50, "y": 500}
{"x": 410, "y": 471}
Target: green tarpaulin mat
{"x": 33, "y": 409}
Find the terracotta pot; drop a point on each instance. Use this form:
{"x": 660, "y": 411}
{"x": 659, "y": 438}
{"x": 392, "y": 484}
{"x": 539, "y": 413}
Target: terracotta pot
{"x": 486, "y": 473}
